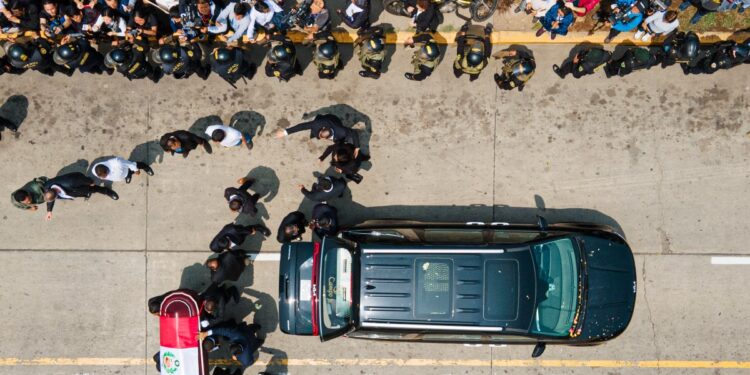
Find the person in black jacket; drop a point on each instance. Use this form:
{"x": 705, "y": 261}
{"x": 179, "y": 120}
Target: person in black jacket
{"x": 215, "y": 299}
{"x": 346, "y": 160}
{"x": 228, "y": 265}
{"x": 583, "y": 63}
{"x": 70, "y": 186}
{"x": 240, "y": 200}
{"x": 327, "y": 126}
{"x": 325, "y": 220}
{"x": 292, "y": 227}
{"x": 182, "y": 142}
{"x": 234, "y": 235}
{"x": 325, "y": 189}
{"x": 356, "y": 15}
{"x": 425, "y": 16}
{"x": 24, "y": 16}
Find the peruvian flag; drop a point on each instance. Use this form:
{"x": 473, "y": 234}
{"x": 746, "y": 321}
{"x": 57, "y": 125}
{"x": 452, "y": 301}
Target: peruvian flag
{"x": 181, "y": 352}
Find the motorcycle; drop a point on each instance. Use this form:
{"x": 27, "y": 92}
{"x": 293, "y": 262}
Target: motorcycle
{"x": 480, "y": 10}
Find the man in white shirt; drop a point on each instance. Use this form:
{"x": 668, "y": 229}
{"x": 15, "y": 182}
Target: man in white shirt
{"x": 119, "y": 169}
{"x": 228, "y": 136}
{"x": 659, "y": 23}
{"x": 265, "y": 14}
{"x": 234, "y": 16}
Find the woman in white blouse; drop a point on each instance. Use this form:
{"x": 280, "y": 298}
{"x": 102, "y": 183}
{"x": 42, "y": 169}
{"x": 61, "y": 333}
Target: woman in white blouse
{"x": 265, "y": 14}
{"x": 111, "y": 24}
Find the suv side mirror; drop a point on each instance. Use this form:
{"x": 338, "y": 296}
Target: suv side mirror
{"x": 538, "y": 350}
{"x": 542, "y": 223}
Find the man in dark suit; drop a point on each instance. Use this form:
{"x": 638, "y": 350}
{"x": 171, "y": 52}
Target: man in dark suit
{"x": 182, "y": 142}
{"x": 215, "y": 299}
{"x": 325, "y": 189}
{"x": 243, "y": 340}
{"x": 240, "y": 199}
{"x": 70, "y": 186}
{"x": 292, "y": 227}
{"x": 324, "y": 127}
{"x": 234, "y": 235}
{"x": 425, "y": 16}
{"x": 228, "y": 265}
{"x": 325, "y": 220}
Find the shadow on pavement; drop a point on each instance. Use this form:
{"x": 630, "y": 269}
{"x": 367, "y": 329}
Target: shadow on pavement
{"x": 15, "y": 109}
{"x": 80, "y": 165}
{"x": 147, "y": 152}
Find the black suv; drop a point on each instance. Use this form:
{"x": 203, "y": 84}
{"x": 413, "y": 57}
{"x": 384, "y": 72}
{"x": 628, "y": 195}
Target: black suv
{"x": 499, "y": 283}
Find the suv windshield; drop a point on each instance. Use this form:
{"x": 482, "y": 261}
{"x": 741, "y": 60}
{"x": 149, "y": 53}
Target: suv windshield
{"x": 557, "y": 287}
{"x": 336, "y": 293}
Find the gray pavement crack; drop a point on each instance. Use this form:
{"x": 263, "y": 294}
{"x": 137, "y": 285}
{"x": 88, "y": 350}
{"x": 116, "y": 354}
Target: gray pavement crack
{"x": 650, "y": 315}
{"x": 666, "y": 243}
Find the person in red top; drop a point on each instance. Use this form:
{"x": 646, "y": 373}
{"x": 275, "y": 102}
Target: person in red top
{"x": 581, "y": 7}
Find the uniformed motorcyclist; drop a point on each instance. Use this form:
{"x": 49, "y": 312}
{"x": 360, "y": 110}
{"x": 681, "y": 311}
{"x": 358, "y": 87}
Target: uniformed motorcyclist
{"x": 326, "y": 56}
{"x": 634, "y": 58}
{"x": 230, "y": 64}
{"x": 726, "y": 55}
{"x": 583, "y": 63}
{"x": 281, "y": 59}
{"x": 473, "y": 50}
{"x": 34, "y": 55}
{"x": 77, "y": 53}
{"x": 370, "y": 50}
{"x": 130, "y": 60}
{"x": 518, "y": 68}
{"x": 426, "y": 56}
{"x": 179, "y": 61}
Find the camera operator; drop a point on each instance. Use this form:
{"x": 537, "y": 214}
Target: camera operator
{"x": 319, "y": 20}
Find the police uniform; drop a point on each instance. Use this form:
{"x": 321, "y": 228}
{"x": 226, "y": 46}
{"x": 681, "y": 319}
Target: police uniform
{"x": 516, "y": 70}
{"x": 185, "y": 61}
{"x": 674, "y": 49}
{"x": 37, "y": 56}
{"x": 421, "y": 61}
{"x": 589, "y": 61}
{"x": 725, "y": 55}
{"x": 370, "y": 51}
{"x": 282, "y": 68}
{"x": 327, "y": 66}
{"x": 473, "y": 39}
{"x": 85, "y": 58}
{"x": 234, "y": 68}
{"x": 635, "y": 58}
{"x": 135, "y": 66}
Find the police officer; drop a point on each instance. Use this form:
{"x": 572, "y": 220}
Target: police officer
{"x": 583, "y": 63}
{"x": 634, "y": 58}
{"x": 726, "y": 55}
{"x": 180, "y": 62}
{"x": 680, "y": 47}
{"x": 230, "y": 64}
{"x": 370, "y": 49}
{"x": 474, "y": 48}
{"x": 130, "y": 60}
{"x": 281, "y": 60}
{"x": 35, "y": 55}
{"x": 518, "y": 68}
{"x": 77, "y": 53}
{"x": 425, "y": 58}
{"x": 326, "y": 56}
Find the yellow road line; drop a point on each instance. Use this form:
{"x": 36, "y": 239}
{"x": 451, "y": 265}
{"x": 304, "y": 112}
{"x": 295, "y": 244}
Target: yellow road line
{"x": 416, "y": 362}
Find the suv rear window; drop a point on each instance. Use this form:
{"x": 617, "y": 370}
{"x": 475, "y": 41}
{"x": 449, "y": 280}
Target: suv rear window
{"x": 434, "y": 288}
{"x": 501, "y": 290}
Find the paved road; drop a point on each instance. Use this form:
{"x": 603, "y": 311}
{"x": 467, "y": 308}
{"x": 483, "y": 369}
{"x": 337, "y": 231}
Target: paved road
{"x": 660, "y": 156}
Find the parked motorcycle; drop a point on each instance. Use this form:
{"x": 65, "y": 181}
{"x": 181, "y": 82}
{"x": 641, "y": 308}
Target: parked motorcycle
{"x": 481, "y": 10}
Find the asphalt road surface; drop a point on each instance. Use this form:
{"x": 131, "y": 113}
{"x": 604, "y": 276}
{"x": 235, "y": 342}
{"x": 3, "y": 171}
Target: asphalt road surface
{"x": 660, "y": 156}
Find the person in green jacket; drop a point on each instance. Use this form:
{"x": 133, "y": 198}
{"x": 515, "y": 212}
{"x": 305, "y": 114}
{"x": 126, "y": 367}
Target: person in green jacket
{"x": 30, "y": 195}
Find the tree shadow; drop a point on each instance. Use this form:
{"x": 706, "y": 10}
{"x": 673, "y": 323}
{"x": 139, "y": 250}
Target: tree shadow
{"x": 200, "y": 125}
{"x": 147, "y": 152}
{"x": 350, "y": 117}
{"x": 80, "y": 165}
{"x": 196, "y": 277}
{"x": 277, "y": 364}
{"x": 248, "y": 122}
{"x": 15, "y": 109}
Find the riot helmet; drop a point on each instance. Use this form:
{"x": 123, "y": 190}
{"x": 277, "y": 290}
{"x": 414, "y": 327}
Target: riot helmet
{"x": 222, "y": 55}
{"x": 475, "y": 55}
{"x": 430, "y": 51}
{"x": 523, "y": 67}
{"x": 118, "y": 55}
{"x": 17, "y": 52}
{"x": 328, "y": 50}
{"x": 689, "y": 46}
{"x": 374, "y": 44}
{"x": 281, "y": 52}
{"x": 741, "y": 50}
{"x": 168, "y": 54}
{"x": 65, "y": 53}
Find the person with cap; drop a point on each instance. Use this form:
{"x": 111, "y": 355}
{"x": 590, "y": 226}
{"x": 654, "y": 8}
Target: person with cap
{"x": 325, "y": 189}
{"x": 213, "y": 304}
{"x": 356, "y": 15}
{"x": 182, "y": 142}
{"x": 70, "y": 186}
{"x": 243, "y": 341}
{"x": 324, "y": 220}
{"x": 518, "y": 68}
{"x": 234, "y": 17}
{"x": 585, "y": 62}
{"x": 426, "y": 56}
{"x": 180, "y": 61}
{"x": 240, "y": 200}
{"x": 345, "y": 160}
{"x": 232, "y": 235}
{"x": 325, "y": 126}
{"x": 118, "y": 169}
{"x": 281, "y": 59}
{"x": 77, "y": 53}
{"x": 265, "y": 16}
{"x": 130, "y": 61}
{"x": 292, "y": 227}
{"x": 370, "y": 50}
{"x": 473, "y": 50}
{"x": 556, "y": 20}
{"x": 326, "y": 56}
{"x": 634, "y": 58}
{"x": 226, "y": 266}
{"x": 230, "y": 65}
{"x": 228, "y": 136}
{"x": 34, "y": 55}
{"x": 30, "y": 195}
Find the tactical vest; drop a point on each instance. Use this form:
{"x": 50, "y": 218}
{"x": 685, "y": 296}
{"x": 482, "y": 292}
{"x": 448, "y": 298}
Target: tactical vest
{"x": 418, "y": 59}
{"x": 513, "y": 79}
{"x": 370, "y": 60}
{"x": 592, "y": 60}
{"x": 474, "y": 39}
{"x": 326, "y": 66}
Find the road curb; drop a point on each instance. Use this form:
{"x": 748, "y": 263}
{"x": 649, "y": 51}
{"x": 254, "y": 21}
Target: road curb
{"x": 529, "y": 37}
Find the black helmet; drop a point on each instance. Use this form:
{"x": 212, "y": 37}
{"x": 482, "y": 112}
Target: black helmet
{"x": 524, "y": 67}
{"x": 430, "y": 51}
{"x": 689, "y": 47}
{"x": 741, "y": 50}
{"x": 222, "y": 55}
{"x": 328, "y": 50}
{"x": 475, "y": 55}
{"x": 17, "y": 52}
{"x": 118, "y": 55}
{"x": 281, "y": 52}
{"x": 168, "y": 54}
{"x": 65, "y": 53}
{"x": 374, "y": 44}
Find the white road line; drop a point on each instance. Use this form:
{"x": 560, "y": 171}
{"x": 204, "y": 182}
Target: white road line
{"x": 265, "y": 257}
{"x": 730, "y": 261}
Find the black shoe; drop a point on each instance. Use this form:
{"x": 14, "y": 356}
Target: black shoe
{"x": 409, "y": 76}
{"x": 496, "y": 77}
{"x": 128, "y": 178}
{"x": 207, "y": 147}
{"x": 265, "y": 231}
{"x": 148, "y": 171}
{"x": 113, "y": 195}
{"x": 556, "y": 69}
